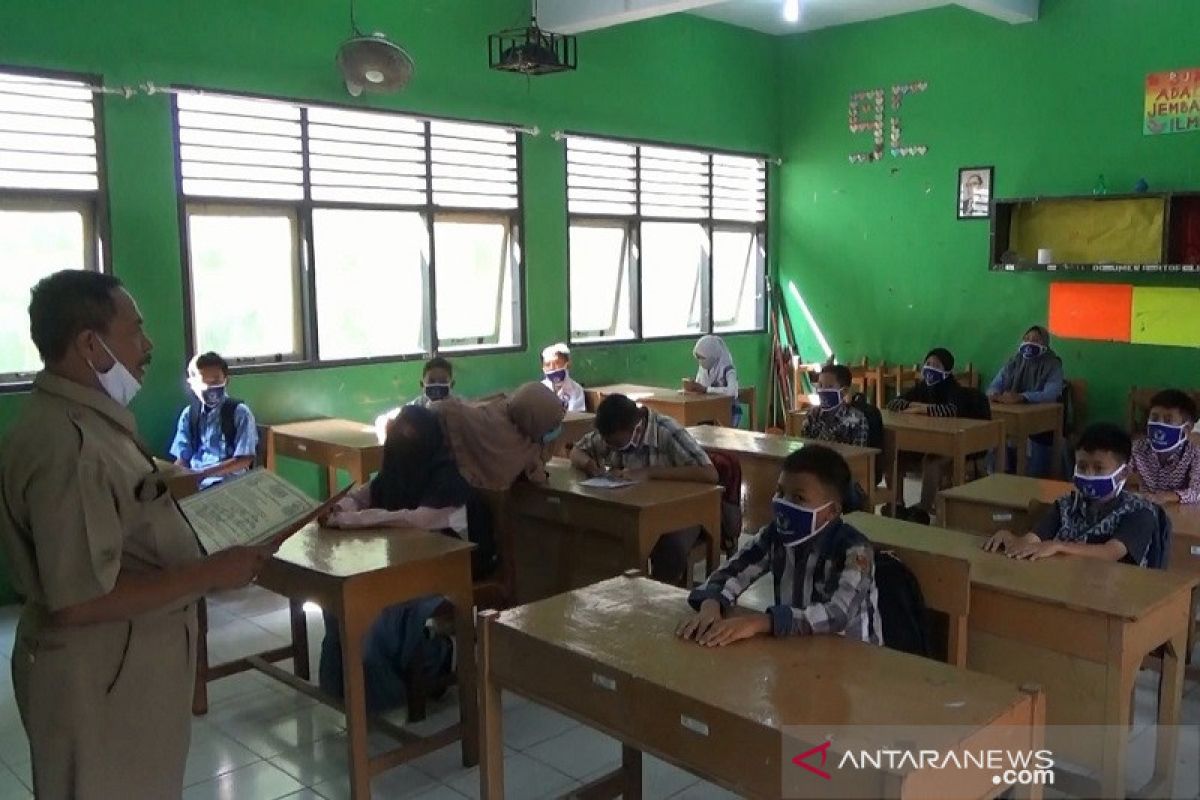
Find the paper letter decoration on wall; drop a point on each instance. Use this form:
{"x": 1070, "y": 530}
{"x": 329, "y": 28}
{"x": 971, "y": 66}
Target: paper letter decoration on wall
{"x": 867, "y": 104}
{"x": 1173, "y": 102}
{"x": 898, "y": 93}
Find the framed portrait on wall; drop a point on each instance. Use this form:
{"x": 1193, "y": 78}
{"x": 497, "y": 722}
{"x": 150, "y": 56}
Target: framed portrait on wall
{"x": 974, "y": 192}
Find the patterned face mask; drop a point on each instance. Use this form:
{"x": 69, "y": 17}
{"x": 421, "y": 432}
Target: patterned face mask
{"x": 1100, "y": 487}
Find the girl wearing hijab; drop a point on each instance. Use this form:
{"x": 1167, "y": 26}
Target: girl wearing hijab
{"x": 496, "y": 443}
{"x": 937, "y": 394}
{"x": 1034, "y": 374}
{"x": 418, "y": 486}
{"x": 716, "y": 373}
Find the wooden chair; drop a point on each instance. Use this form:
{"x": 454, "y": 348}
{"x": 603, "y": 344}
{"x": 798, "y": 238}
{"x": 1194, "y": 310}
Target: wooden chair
{"x": 946, "y": 587}
{"x": 968, "y": 377}
{"x": 748, "y": 397}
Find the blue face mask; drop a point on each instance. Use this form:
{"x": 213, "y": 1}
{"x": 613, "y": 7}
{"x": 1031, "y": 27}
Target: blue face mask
{"x": 437, "y": 391}
{"x": 1164, "y": 438}
{"x": 933, "y": 376}
{"x": 213, "y": 396}
{"x": 550, "y": 436}
{"x": 830, "y": 398}
{"x": 556, "y": 375}
{"x": 1031, "y": 350}
{"x": 1100, "y": 487}
{"x": 796, "y": 524}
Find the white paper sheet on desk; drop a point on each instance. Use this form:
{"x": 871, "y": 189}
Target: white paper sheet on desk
{"x": 246, "y": 510}
{"x": 606, "y": 482}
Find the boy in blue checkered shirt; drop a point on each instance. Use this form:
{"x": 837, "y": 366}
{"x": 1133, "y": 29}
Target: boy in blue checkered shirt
{"x": 823, "y": 570}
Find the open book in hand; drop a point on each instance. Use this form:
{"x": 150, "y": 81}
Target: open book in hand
{"x": 252, "y": 509}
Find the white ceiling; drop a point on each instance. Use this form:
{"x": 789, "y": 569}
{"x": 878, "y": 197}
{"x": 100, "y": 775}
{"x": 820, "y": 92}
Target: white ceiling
{"x": 767, "y": 16}
{"x": 576, "y": 16}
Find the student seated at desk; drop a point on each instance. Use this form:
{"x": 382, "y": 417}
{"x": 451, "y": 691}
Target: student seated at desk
{"x": 716, "y": 374}
{"x": 640, "y": 444}
{"x": 437, "y": 383}
{"x": 1034, "y": 374}
{"x": 835, "y": 419}
{"x": 1100, "y": 519}
{"x": 556, "y": 371}
{"x": 418, "y": 486}
{"x": 216, "y": 436}
{"x": 937, "y": 394}
{"x": 1166, "y": 462}
{"x": 822, "y": 569}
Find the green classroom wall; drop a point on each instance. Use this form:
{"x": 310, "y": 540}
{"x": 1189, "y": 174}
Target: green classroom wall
{"x": 875, "y": 249}
{"x": 679, "y": 79}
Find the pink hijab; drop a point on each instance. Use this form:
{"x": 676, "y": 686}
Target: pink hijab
{"x": 498, "y": 442}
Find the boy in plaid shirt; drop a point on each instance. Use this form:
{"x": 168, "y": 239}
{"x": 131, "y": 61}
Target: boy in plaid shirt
{"x": 823, "y": 570}
{"x": 834, "y": 419}
{"x": 1166, "y": 462}
{"x": 639, "y": 444}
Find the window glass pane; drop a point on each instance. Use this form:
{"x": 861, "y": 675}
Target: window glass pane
{"x": 475, "y": 269}
{"x": 673, "y": 258}
{"x": 370, "y": 269}
{"x": 736, "y": 280}
{"x": 245, "y": 282}
{"x": 36, "y": 243}
{"x": 600, "y": 282}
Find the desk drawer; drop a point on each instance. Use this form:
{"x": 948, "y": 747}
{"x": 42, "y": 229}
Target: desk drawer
{"x": 1185, "y": 554}
{"x": 316, "y": 452}
{"x": 721, "y": 746}
{"x": 597, "y": 696}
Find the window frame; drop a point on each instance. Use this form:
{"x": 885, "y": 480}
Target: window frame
{"x": 304, "y": 207}
{"x": 97, "y": 229}
{"x": 634, "y": 222}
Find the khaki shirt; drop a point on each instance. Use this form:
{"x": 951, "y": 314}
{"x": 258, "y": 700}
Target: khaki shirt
{"x": 81, "y": 499}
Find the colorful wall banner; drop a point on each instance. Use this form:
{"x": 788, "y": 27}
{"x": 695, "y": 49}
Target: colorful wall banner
{"x": 1117, "y": 312}
{"x": 1173, "y": 102}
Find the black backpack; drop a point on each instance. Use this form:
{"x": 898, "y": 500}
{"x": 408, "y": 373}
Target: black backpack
{"x": 901, "y": 606}
{"x": 228, "y": 411}
{"x": 874, "y": 430}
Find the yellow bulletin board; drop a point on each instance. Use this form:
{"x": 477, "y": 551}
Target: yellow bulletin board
{"x": 1166, "y": 316}
{"x": 1101, "y": 231}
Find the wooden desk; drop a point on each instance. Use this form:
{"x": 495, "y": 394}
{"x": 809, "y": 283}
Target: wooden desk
{"x": 685, "y": 408}
{"x": 1078, "y": 627}
{"x": 331, "y": 443}
{"x": 952, "y": 437}
{"x": 762, "y": 454}
{"x": 568, "y": 535}
{"x": 997, "y": 502}
{"x": 1022, "y": 420}
{"x": 576, "y": 425}
{"x": 354, "y": 576}
{"x": 607, "y": 656}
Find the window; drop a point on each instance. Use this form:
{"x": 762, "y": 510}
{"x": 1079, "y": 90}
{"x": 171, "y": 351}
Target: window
{"x": 50, "y": 199}
{"x": 320, "y": 234}
{"x": 664, "y": 241}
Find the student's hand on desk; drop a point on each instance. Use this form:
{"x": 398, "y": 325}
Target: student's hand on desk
{"x": 636, "y": 475}
{"x": 1162, "y": 498}
{"x": 1000, "y": 541}
{"x": 693, "y": 387}
{"x": 1011, "y": 398}
{"x": 367, "y": 518}
{"x": 237, "y": 566}
{"x": 698, "y": 624}
{"x": 1031, "y": 551}
{"x": 734, "y": 629}
{"x": 916, "y": 408}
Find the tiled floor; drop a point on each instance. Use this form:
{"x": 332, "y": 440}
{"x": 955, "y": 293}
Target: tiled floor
{"x": 262, "y": 741}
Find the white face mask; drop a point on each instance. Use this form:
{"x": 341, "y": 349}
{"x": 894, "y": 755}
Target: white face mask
{"x": 118, "y": 382}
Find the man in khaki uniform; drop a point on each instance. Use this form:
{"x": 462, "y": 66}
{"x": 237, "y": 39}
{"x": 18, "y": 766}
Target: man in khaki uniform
{"x": 110, "y": 570}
